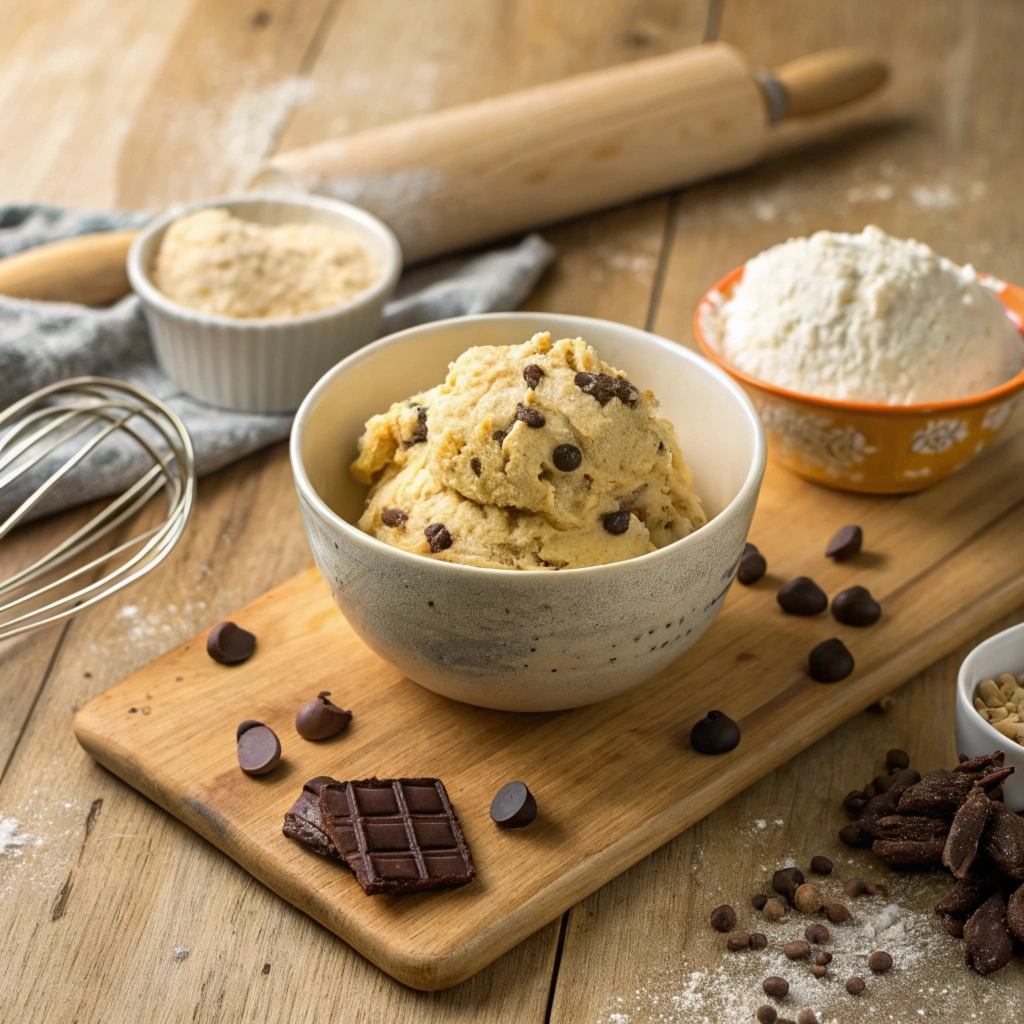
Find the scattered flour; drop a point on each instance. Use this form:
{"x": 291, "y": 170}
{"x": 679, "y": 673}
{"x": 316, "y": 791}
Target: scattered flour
{"x": 935, "y": 197}
{"x": 12, "y": 840}
{"x": 180, "y": 953}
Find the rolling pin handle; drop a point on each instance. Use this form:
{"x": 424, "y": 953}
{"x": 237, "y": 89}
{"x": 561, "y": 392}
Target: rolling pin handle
{"x": 822, "y": 81}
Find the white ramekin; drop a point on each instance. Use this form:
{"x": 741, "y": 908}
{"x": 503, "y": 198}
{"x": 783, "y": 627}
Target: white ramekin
{"x": 1003, "y": 652}
{"x": 263, "y": 365}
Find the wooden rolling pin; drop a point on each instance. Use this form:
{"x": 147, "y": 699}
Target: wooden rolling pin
{"x": 466, "y": 175}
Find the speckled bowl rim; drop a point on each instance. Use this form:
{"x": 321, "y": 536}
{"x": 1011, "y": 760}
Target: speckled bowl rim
{"x": 559, "y": 321}
{"x": 388, "y": 273}
{"x": 1009, "y": 295}
{"x": 965, "y": 687}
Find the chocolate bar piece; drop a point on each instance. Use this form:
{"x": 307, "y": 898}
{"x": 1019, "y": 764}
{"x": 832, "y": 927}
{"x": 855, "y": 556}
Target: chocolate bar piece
{"x": 397, "y": 835}
{"x": 303, "y": 821}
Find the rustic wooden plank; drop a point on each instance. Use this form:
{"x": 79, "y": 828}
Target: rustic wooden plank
{"x": 640, "y": 947}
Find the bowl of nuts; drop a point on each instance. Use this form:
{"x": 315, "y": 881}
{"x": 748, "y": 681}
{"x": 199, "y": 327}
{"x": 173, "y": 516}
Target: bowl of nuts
{"x": 990, "y": 706}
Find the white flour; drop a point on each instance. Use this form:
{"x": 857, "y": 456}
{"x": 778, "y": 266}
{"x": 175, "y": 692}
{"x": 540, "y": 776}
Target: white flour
{"x": 11, "y": 839}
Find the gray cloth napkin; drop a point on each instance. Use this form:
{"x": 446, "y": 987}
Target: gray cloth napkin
{"x": 44, "y": 342}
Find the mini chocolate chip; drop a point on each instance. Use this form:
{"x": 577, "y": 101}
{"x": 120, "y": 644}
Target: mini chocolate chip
{"x": 816, "y": 933}
{"x": 245, "y": 727}
{"x": 776, "y": 987}
{"x": 567, "y": 457}
{"x": 738, "y": 941}
{"x": 896, "y": 759}
{"x": 499, "y": 436}
{"x": 802, "y": 596}
{"x": 855, "y": 985}
{"x": 230, "y": 644}
{"x": 821, "y": 865}
{"x": 513, "y": 806}
{"x": 393, "y": 517}
{"x": 475, "y": 465}
{"x": 530, "y": 416}
{"x": 845, "y": 544}
{"x": 830, "y": 661}
{"x": 259, "y": 750}
{"x": 419, "y": 435}
{"x": 767, "y": 1014}
{"x": 723, "y": 918}
{"x": 856, "y": 607}
{"x": 438, "y": 537}
{"x": 759, "y": 901}
{"x": 604, "y": 388}
{"x": 532, "y": 375}
{"x": 716, "y": 733}
{"x": 758, "y": 941}
{"x": 879, "y": 961}
{"x": 319, "y": 719}
{"x": 752, "y": 566}
{"x": 616, "y": 522}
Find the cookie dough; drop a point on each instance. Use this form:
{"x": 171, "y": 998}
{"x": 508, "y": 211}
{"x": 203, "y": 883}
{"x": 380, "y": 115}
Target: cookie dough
{"x": 532, "y": 456}
{"x": 218, "y": 263}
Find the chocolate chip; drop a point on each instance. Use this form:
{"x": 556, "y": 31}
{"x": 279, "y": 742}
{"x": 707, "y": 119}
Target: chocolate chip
{"x": 438, "y": 537}
{"x": 774, "y": 909}
{"x": 419, "y": 434}
{"x": 879, "y": 961}
{"x": 752, "y": 566}
{"x": 738, "y": 941}
{"x": 530, "y": 416}
{"x": 823, "y": 957}
{"x": 854, "y": 887}
{"x": 897, "y": 759}
{"x": 476, "y": 466}
{"x": 230, "y": 644}
{"x": 817, "y": 933}
{"x": 759, "y": 901}
{"x": 245, "y": 727}
{"x": 766, "y": 1014}
{"x": 259, "y": 750}
{"x": 821, "y": 865}
{"x": 532, "y": 375}
{"x": 806, "y": 1016}
{"x": 856, "y": 607}
{"x": 830, "y": 661}
{"x": 616, "y": 522}
{"x": 758, "y": 941}
{"x": 319, "y": 719}
{"x": 499, "y": 436}
{"x": 513, "y": 806}
{"x": 716, "y": 733}
{"x": 802, "y": 596}
{"x": 853, "y": 836}
{"x": 837, "y": 913}
{"x": 855, "y": 985}
{"x": 797, "y": 950}
{"x": 786, "y": 881}
{"x": 854, "y": 802}
{"x": 819, "y": 970}
{"x": 567, "y": 457}
{"x": 723, "y": 918}
{"x": 845, "y": 544}
{"x": 393, "y": 517}
{"x": 604, "y": 388}
{"x": 776, "y": 987}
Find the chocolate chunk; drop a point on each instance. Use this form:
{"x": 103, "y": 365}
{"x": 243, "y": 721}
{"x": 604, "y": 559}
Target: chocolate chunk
{"x": 854, "y": 887}
{"x": 230, "y": 644}
{"x": 604, "y": 388}
{"x": 752, "y": 566}
{"x": 937, "y": 795}
{"x": 513, "y": 806}
{"x": 532, "y": 375}
{"x": 896, "y": 759}
{"x": 837, "y": 913}
{"x": 823, "y": 956}
{"x": 530, "y": 416}
{"x": 853, "y": 803}
{"x": 879, "y": 961}
{"x": 419, "y": 434}
{"x": 393, "y": 517}
{"x": 845, "y": 544}
{"x": 903, "y": 826}
{"x": 716, "y": 733}
{"x": 567, "y": 457}
{"x": 438, "y": 537}
{"x": 767, "y": 1015}
{"x": 821, "y": 865}
{"x": 259, "y": 750}
{"x": 758, "y": 901}
{"x": 303, "y": 822}
{"x": 476, "y": 466}
{"x": 397, "y": 835}
{"x": 1003, "y": 840}
{"x": 738, "y": 941}
{"x": 965, "y": 832}
{"x": 616, "y": 522}
{"x": 830, "y": 661}
{"x": 758, "y": 941}
{"x": 499, "y": 436}
{"x": 855, "y": 985}
{"x": 1015, "y": 913}
{"x": 856, "y": 607}
{"x": 319, "y": 719}
{"x": 816, "y": 934}
{"x": 245, "y": 727}
{"x": 908, "y": 851}
{"x": 853, "y": 836}
{"x": 802, "y": 596}
{"x": 786, "y": 881}
{"x": 723, "y": 918}
{"x": 988, "y": 945}
{"x": 776, "y": 987}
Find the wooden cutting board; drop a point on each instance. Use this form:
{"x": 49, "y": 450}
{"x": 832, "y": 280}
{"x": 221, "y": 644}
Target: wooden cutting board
{"x": 612, "y": 781}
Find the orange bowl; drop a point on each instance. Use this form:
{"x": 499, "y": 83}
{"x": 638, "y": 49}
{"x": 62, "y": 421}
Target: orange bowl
{"x": 866, "y": 446}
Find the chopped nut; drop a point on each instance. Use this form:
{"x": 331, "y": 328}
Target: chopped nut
{"x": 1007, "y": 683}
{"x": 1007, "y": 726}
{"x": 997, "y": 714}
{"x": 980, "y": 705}
{"x": 990, "y": 693}
{"x": 807, "y": 899}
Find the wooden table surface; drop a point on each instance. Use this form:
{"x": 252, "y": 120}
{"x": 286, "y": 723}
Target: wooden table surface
{"x": 118, "y": 912}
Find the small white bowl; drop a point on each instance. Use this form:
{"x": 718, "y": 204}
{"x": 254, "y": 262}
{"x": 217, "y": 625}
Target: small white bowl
{"x": 528, "y": 641}
{"x": 1003, "y": 652}
{"x": 263, "y": 365}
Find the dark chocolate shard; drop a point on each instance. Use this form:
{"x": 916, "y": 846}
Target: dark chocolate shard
{"x": 938, "y": 795}
{"x": 1015, "y": 913}
{"x": 965, "y": 832}
{"x": 907, "y": 851}
{"x": 397, "y": 835}
{"x": 1003, "y": 840}
{"x": 303, "y": 822}
{"x": 980, "y": 765}
{"x": 900, "y": 826}
{"x": 966, "y": 895}
{"x": 988, "y": 945}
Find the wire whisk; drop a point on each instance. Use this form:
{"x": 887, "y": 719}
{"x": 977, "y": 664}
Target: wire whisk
{"x": 48, "y": 435}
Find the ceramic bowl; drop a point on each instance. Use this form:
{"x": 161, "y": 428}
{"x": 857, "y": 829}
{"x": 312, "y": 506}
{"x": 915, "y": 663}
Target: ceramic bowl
{"x": 1003, "y": 652}
{"x": 263, "y": 365}
{"x": 528, "y": 641}
{"x": 863, "y": 446}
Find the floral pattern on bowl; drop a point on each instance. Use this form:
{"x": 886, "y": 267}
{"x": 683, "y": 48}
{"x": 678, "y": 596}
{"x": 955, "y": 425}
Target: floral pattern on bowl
{"x": 862, "y": 446}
